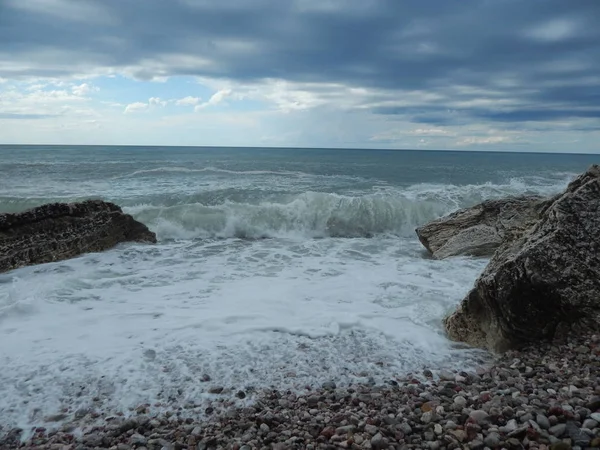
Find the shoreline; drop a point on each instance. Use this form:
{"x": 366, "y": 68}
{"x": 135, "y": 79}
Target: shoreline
{"x": 543, "y": 397}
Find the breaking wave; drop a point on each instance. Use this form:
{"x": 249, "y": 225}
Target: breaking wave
{"x": 258, "y": 213}
{"x": 312, "y": 214}
{"x": 317, "y": 214}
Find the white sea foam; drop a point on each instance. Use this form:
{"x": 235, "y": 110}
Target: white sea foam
{"x": 245, "y": 312}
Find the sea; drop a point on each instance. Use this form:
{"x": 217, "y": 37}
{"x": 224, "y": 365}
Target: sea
{"x": 274, "y": 268}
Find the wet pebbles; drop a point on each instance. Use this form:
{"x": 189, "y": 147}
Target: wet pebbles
{"x": 541, "y": 398}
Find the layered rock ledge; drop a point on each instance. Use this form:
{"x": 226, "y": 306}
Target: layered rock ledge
{"x": 481, "y": 229}
{"x": 542, "y": 282}
{"x": 59, "y": 231}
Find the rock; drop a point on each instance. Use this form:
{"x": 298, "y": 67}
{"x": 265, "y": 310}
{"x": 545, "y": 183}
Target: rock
{"x": 476, "y": 444}
{"x": 492, "y": 440}
{"x": 150, "y": 354}
{"x": 405, "y": 428}
{"x": 328, "y": 432}
{"x": 481, "y": 229}
{"x": 446, "y": 375}
{"x": 138, "y": 439}
{"x": 595, "y": 416}
{"x": 371, "y": 429}
{"x": 93, "y": 440}
{"x": 511, "y": 426}
{"x": 329, "y": 385}
{"x": 215, "y": 390}
{"x": 577, "y": 436}
{"x": 543, "y": 284}
{"x": 346, "y": 429}
{"x": 264, "y": 428}
{"x": 459, "y": 435}
{"x": 479, "y": 416}
{"x": 594, "y": 404}
{"x": 560, "y": 446}
{"x": 460, "y": 401}
{"x": 378, "y": 441}
{"x": 542, "y": 421}
{"x": 58, "y": 231}
{"x": 313, "y": 400}
{"x": 590, "y": 424}
{"x": 55, "y": 417}
{"x": 558, "y": 430}
{"x": 427, "y": 417}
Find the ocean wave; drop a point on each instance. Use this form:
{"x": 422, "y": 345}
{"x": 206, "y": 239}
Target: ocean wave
{"x": 312, "y": 214}
{"x": 169, "y": 169}
{"x": 258, "y": 213}
{"x": 386, "y": 210}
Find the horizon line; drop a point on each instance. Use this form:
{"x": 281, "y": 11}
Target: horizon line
{"x": 302, "y": 148}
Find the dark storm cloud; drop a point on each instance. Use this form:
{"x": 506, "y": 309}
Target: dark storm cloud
{"x": 547, "y": 50}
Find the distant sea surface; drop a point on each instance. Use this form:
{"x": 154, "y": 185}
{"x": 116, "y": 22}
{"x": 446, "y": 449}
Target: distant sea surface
{"x": 274, "y": 267}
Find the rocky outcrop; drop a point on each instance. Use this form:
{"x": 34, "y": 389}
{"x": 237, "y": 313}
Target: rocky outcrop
{"x": 59, "y": 231}
{"x": 543, "y": 284}
{"x": 480, "y": 230}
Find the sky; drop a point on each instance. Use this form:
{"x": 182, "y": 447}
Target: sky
{"x": 413, "y": 74}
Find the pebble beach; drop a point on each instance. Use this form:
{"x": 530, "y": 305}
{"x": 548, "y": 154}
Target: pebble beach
{"x": 547, "y": 397}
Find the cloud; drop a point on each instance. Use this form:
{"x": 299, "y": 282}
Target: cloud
{"x": 430, "y": 65}
{"x": 142, "y": 106}
{"x": 135, "y": 107}
{"x": 479, "y": 140}
{"x": 156, "y": 101}
{"x": 83, "y": 89}
{"x": 215, "y": 99}
{"x": 19, "y": 116}
{"x": 81, "y": 11}
{"x": 554, "y": 31}
{"x": 42, "y": 100}
{"x": 188, "y": 101}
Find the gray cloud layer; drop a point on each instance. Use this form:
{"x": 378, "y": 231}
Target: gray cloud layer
{"x": 534, "y": 60}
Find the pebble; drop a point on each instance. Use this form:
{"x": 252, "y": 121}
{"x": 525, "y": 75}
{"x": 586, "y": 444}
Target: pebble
{"x": 460, "y": 401}
{"x": 329, "y": 386}
{"x": 215, "y": 390}
{"x": 492, "y": 440}
{"x": 590, "y": 424}
{"x": 542, "y": 398}
{"x": 427, "y": 417}
{"x": 479, "y": 416}
{"x": 542, "y": 421}
{"x": 446, "y": 375}
{"x": 138, "y": 439}
{"x": 558, "y": 430}
{"x": 371, "y": 429}
{"x": 378, "y": 441}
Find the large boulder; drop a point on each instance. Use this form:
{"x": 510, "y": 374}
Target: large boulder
{"x": 59, "y": 231}
{"x": 481, "y": 229}
{"x": 546, "y": 282}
